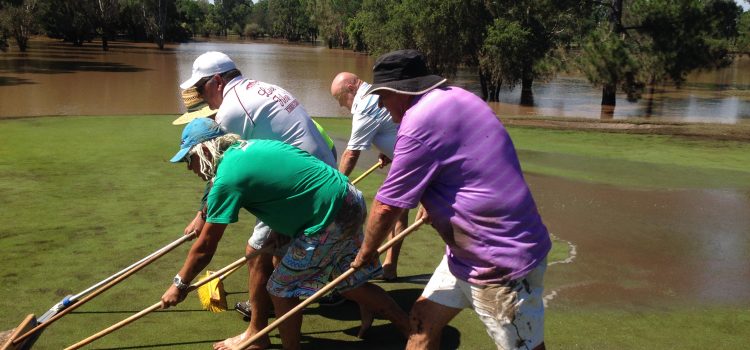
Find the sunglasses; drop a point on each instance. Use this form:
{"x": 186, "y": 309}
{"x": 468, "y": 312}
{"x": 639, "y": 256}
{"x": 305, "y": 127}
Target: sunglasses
{"x": 201, "y": 84}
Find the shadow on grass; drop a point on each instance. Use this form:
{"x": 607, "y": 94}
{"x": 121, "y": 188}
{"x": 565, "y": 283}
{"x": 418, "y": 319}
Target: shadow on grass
{"x": 416, "y": 279}
{"x": 379, "y": 337}
{"x": 133, "y": 311}
{"x": 165, "y": 345}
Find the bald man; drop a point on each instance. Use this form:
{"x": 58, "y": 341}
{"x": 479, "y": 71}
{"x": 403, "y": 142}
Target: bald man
{"x": 371, "y": 125}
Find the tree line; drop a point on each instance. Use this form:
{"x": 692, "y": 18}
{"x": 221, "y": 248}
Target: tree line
{"x": 623, "y": 46}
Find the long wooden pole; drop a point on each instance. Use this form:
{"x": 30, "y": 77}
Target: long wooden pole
{"x": 367, "y": 172}
{"x": 239, "y": 262}
{"x": 325, "y": 289}
{"x": 133, "y": 269}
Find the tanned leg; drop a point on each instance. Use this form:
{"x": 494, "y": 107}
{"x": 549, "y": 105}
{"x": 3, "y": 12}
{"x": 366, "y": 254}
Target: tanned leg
{"x": 291, "y": 329}
{"x": 390, "y": 264}
{"x": 260, "y": 268}
{"x": 427, "y": 320}
{"x": 375, "y": 301}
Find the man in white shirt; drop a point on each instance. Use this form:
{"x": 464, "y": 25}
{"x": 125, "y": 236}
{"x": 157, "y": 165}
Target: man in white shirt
{"x": 254, "y": 110}
{"x": 371, "y": 125}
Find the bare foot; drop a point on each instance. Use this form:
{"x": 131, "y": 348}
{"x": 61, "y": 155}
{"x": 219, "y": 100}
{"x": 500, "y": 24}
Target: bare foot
{"x": 389, "y": 272}
{"x": 367, "y": 318}
{"x": 230, "y": 343}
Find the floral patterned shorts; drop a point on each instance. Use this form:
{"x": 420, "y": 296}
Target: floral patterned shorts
{"x": 313, "y": 261}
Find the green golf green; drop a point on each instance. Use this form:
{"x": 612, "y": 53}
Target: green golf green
{"x": 84, "y": 197}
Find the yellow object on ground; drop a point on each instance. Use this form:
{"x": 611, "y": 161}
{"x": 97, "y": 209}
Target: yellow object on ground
{"x": 212, "y": 295}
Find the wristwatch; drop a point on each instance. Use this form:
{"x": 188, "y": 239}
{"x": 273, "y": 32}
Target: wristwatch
{"x": 179, "y": 284}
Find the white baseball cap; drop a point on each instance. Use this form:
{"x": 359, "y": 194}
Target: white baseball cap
{"x": 208, "y": 64}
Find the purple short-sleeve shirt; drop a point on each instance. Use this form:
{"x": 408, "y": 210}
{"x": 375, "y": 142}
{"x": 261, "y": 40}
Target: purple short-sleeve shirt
{"x": 455, "y": 156}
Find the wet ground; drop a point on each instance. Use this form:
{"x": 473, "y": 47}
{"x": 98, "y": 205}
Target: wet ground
{"x": 644, "y": 247}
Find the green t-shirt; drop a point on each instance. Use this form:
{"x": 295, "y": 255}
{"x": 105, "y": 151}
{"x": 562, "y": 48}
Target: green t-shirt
{"x": 283, "y": 186}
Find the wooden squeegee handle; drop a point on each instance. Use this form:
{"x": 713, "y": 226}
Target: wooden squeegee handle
{"x": 133, "y": 269}
{"x": 325, "y": 289}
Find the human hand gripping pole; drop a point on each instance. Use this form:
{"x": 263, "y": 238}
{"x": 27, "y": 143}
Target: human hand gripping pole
{"x": 71, "y": 303}
{"x": 326, "y": 288}
{"x": 233, "y": 266}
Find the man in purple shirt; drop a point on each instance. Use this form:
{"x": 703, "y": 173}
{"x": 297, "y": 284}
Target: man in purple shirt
{"x": 455, "y": 157}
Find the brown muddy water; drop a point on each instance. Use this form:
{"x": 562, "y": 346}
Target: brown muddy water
{"x": 633, "y": 247}
{"x": 652, "y": 248}
{"x": 54, "y": 78}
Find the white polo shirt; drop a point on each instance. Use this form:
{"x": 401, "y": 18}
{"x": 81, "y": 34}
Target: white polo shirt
{"x": 258, "y": 110}
{"x": 371, "y": 125}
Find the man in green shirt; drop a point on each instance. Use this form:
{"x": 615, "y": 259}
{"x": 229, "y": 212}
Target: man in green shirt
{"x": 299, "y": 197}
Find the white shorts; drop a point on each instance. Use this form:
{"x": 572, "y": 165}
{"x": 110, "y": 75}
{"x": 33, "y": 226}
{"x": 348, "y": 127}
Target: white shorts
{"x": 260, "y": 235}
{"x": 513, "y": 313}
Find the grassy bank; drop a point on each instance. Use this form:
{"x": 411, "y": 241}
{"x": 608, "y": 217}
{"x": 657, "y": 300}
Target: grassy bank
{"x": 85, "y": 196}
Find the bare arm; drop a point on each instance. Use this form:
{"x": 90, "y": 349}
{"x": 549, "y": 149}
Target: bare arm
{"x": 348, "y": 161}
{"x": 379, "y": 224}
{"x": 198, "y": 258}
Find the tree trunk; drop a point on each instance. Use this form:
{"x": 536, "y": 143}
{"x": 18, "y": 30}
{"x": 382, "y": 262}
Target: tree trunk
{"x": 527, "y": 95}
{"x": 22, "y": 44}
{"x": 495, "y": 91}
{"x": 616, "y": 16}
{"x": 483, "y": 86}
{"x": 609, "y": 100}
{"x": 650, "y": 101}
{"x": 105, "y": 42}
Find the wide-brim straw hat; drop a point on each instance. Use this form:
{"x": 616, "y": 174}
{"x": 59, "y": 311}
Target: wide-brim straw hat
{"x": 196, "y": 107}
{"x": 404, "y": 72}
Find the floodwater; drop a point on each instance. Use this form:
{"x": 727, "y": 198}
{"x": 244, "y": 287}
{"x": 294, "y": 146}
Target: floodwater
{"x": 634, "y": 247}
{"x": 54, "y": 78}
{"x": 647, "y": 248}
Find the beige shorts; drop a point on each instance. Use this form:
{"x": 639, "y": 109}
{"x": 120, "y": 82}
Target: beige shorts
{"x": 513, "y": 313}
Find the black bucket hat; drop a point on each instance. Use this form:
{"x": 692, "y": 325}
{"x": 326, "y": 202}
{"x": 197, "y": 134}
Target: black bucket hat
{"x": 404, "y": 72}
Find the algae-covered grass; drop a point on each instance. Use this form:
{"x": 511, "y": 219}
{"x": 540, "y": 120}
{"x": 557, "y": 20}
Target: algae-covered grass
{"x": 82, "y": 197}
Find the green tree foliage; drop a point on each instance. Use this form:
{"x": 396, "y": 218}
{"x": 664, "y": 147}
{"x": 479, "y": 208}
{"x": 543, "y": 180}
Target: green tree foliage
{"x": 643, "y": 42}
{"x": 259, "y": 16}
{"x": 381, "y": 26}
{"x": 20, "y": 21}
{"x": 71, "y": 20}
{"x": 289, "y": 19}
{"x": 522, "y": 42}
{"x": 502, "y": 55}
{"x": 449, "y": 32}
{"x": 608, "y": 59}
{"x": 191, "y": 15}
{"x": 332, "y": 18}
{"x": 743, "y": 40}
{"x": 231, "y": 15}
{"x": 454, "y": 33}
